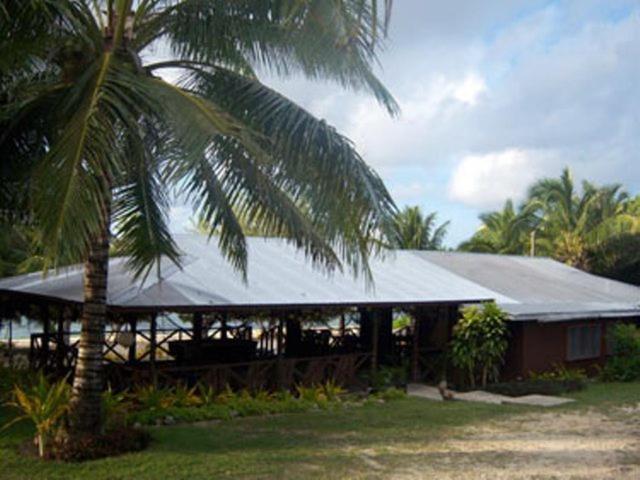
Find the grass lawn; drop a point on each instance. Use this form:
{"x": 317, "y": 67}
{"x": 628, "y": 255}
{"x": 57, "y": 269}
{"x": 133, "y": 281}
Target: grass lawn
{"x": 321, "y": 444}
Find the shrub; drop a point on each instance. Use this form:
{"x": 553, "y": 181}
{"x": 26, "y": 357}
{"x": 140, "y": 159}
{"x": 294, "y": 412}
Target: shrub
{"x": 391, "y": 394}
{"x": 480, "y": 342}
{"x": 624, "y": 365}
{"x": 114, "y": 407}
{"x": 45, "y": 405}
{"x": 182, "y": 396}
{"x": 387, "y": 377}
{"x": 149, "y": 397}
{"x": 561, "y": 373}
{"x": 207, "y": 394}
{"x": 539, "y": 387}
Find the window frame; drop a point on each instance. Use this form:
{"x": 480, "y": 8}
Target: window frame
{"x": 582, "y": 354}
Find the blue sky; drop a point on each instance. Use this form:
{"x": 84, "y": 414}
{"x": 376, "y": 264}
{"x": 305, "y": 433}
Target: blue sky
{"x": 494, "y": 94}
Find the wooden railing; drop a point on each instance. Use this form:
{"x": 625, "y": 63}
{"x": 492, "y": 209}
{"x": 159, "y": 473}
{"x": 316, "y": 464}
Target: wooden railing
{"x": 257, "y": 375}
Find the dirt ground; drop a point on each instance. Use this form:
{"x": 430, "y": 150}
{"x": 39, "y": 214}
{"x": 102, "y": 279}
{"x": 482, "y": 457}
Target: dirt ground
{"x": 549, "y": 445}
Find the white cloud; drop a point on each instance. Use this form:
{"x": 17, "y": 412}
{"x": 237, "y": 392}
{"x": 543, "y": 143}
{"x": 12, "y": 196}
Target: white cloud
{"x": 486, "y": 181}
{"x": 470, "y": 89}
{"x": 415, "y": 138}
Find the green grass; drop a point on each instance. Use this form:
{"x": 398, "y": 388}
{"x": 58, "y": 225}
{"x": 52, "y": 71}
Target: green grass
{"x": 320, "y": 444}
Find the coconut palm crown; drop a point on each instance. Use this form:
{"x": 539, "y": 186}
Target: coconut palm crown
{"x": 102, "y": 139}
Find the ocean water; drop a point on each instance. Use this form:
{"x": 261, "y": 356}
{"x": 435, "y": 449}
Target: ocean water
{"x": 21, "y": 329}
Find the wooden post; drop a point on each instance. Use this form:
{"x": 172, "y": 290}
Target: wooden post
{"x": 197, "y": 327}
{"x": 45, "y": 337}
{"x": 375, "y": 341}
{"x": 415, "y": 352}
{"x": 223, "y": 326}
{"x": 133, "y": 354}
{"x": 293, "y": 337}
{"x": 60, "y": 345}
{"x": 10, "y": 342}
{"x": 279, "y": 372}
{"x": 152, "y": 349}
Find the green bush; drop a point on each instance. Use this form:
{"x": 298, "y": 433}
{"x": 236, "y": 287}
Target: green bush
{"x": 154, "y": 408}
{"x": 390, "y": 394}
{"x": 561, "y": 373}
{"x": 536, "y": 387}
{"x": 624, "y": 365}
{"x": 45, "y": 405}
{"x": 479, "y": 342}
{"x": 388, "y": 377}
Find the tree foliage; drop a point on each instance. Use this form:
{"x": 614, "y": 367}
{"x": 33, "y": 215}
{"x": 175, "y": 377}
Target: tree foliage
{"x": 87, "y": 118}
{"x": 585, "y": 227}
{"x": 412, "y": 230}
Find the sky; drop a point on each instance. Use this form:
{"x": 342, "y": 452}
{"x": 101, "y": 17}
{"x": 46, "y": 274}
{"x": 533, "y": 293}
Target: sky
{"x": 493, "y": 94}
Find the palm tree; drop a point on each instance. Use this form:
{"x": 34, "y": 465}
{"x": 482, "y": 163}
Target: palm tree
{"x": 414, "y": 231}
{"x": 109, "y": 139}
{"x": 506, "y": 231}
{"x": 575, "y": 222}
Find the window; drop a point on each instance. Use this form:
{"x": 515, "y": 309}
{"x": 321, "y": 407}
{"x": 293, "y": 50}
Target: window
{"x": 584, "y": 342}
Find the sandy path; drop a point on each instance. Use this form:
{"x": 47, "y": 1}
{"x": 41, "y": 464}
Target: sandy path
{"x": 549, "y": 445}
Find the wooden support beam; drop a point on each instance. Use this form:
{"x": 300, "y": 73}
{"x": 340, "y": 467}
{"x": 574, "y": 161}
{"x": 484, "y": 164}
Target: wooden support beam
{"x": 280, "y": 345}
{"x": 415, "y": 351}
{"x": 293, "y": 344}
{"x": 133, "y": 325}
{"x": 60, "y": 346}
{"x": 223, "y": 326}
{"x": 153, "y": 342}
{"x": 46, "y": 331}
{"x": 197, "y": 326}
{"x": 375, "y": 341}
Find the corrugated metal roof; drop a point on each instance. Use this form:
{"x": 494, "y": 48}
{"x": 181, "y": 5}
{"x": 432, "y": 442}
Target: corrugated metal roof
{"x": 278, "y": 275}
{"x": 542, "y": 288}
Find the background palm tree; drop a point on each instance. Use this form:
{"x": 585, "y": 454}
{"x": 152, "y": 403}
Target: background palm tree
{"x": 414, "y": 231}
{"x": 104, "y": 140}
{"x": 575, "y": 222}
{"x": 506, "y": 231}
{"x": 576, "y": 226}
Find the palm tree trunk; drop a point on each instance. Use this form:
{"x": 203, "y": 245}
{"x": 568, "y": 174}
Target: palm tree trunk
{"x": 86, "y": 414}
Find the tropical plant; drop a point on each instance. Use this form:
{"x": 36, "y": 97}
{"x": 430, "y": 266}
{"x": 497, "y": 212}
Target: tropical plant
{"x": 479, "y": 342}
{"x": 44, "y": 404}
{"x": 411, "y": 230}
{"x": 20, "y": 249}
{"x": 624, "y": 365}
{"x": 114, "y": 407}
{"x": 576, "y": 226}
{"x": 573, "y": 222}
{"x": 506, "y": 231}
{"x": 617, "y": 257}
{"x": 183, "y": 396}
{"x": 88, "y": 121}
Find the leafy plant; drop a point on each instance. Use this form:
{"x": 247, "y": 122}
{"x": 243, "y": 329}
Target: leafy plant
{"x": 479, "y": 342}
{"x": 207, "y": 394}
{"x": 560, "y": 373}
{"x": 114, "y": 407}
{"x": 624, "y": 365}
{"x": 182, "y": 396}
{"x": 45, "y": 405}
{"x": 389, "y": 394}
{"x": 332, "y": 390}
{"x": 149, "y": 397}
